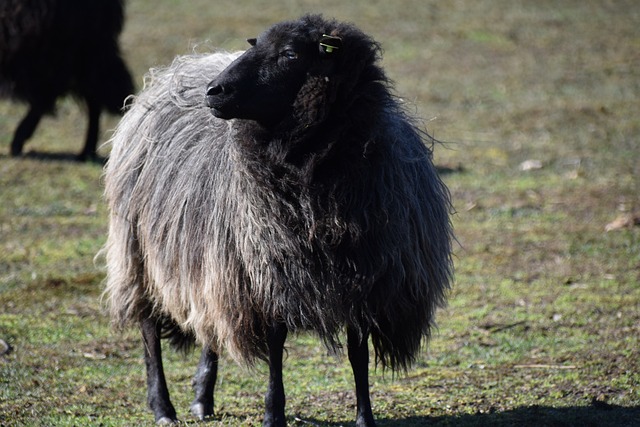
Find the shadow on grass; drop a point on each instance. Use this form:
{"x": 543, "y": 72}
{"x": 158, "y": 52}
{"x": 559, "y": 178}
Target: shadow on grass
{"x": 56, "y": 157}
{"x": 449, "y": 170}
{"x": 596, "y": 415}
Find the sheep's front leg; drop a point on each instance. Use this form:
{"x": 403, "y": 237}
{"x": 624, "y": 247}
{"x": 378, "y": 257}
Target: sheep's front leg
{"x": 359, "y": 357}
{"x": 157, "y": 392}
{"x": 204, "y": 383}
{"x": 25, "y": 129}
{"x": 275, "y": 399}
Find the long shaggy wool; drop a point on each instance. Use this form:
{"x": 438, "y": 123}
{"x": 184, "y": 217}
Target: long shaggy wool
{"x": 211, "y": 234}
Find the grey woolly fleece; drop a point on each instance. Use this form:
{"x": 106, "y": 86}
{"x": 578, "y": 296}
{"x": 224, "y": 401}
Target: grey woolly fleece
{"x": 211, "y": 231}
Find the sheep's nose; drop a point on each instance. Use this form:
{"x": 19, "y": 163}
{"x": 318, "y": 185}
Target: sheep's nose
{"x": 214, "y": 90}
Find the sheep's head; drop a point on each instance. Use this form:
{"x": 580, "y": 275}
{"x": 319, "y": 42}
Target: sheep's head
{"x": 294, "y": 70}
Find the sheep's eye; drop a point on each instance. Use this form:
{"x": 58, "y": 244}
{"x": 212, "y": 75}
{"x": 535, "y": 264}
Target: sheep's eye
{"x": 289, "y": 54}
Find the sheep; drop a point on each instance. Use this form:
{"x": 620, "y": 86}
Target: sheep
{"x": 275, "y": 191}
{"x": 49, "y": 48}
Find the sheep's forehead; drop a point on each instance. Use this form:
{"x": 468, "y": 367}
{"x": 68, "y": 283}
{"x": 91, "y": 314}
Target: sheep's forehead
{"x": 287, "y": 33}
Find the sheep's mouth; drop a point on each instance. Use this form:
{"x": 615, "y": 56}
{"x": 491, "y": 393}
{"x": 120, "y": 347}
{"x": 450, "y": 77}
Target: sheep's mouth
{"x": 221, "y": 110}
{"x": 220, "y": 113}
{"x": 219, "y": 107}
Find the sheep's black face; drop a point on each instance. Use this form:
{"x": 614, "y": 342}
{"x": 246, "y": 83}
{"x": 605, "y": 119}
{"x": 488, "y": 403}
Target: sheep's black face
{"x": 263, "y": 83}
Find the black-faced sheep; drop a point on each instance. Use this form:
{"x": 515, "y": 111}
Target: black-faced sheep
{"x": 49, "y": 48}
{"x": 307, "y": 201}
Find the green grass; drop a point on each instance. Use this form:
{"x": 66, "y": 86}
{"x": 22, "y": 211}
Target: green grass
{"x": 543, "y": 325}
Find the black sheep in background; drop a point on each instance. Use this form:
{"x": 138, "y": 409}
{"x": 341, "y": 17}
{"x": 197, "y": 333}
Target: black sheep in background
{"x": 50, "y": 48}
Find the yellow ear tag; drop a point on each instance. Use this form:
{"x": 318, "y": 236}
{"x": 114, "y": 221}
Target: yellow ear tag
{"x": 330, "y": 43}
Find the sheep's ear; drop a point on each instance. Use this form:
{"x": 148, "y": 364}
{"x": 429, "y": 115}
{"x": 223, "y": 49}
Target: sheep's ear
{"x": 252, "y": 41}
{"x": 330, "y": 45}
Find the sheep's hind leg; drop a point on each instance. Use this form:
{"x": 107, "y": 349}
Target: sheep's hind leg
{"x": 359, "y": 357}
{"x": 157, "y": 391}
{"x": 275, "y": 399}
{"x": 204, "y": 383}
{"x": 25, "y": 129}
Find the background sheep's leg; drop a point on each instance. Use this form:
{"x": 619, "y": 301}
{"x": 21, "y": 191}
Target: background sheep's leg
{"x": 359, "y": 357}
{"x": 274, "y": 399}
{"x": 26, "y": 128}
{"x": 204, "y": 383}
{"x": 91, "y": 141}
{"x": 157, "y": 392}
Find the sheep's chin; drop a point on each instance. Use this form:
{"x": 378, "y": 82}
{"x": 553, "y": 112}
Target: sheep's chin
{"x": 221, "y": 114}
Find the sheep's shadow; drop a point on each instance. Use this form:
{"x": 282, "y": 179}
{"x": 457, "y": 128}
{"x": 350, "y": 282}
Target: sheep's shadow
{"x": 448, "y": 170}
{"x": 597, "y": 414}
{"x": 56, "y": 157}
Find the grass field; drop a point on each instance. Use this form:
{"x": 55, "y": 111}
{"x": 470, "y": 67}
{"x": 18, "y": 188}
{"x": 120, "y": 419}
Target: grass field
{"x": 538, "y": 105}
